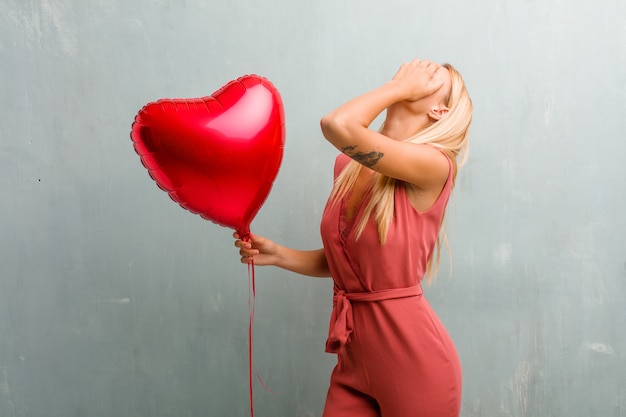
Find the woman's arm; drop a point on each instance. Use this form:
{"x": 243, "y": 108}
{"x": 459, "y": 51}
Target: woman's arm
{"x": 263, "y": 251}
{"x": 347, "y": 128}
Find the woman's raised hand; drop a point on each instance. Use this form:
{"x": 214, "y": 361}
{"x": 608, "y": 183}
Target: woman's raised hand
{"x": 419, "y": 79}
{"x": 256, "y": 248}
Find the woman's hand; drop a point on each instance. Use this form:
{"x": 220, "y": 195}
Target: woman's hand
{"x": 418, "y": 79}
{"x": 265, "y": 252}
{"x": 256, "y": 248}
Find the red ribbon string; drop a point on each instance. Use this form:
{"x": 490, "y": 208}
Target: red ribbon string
{"x": 251, "y": 303}
{"x": 251, "y": 306}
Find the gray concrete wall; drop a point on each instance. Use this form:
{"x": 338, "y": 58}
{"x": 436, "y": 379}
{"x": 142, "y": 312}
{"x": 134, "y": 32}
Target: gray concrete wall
{"x": 116, "y": 302}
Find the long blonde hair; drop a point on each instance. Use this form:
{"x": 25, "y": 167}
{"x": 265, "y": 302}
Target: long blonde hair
{"x": 449, "y": 134}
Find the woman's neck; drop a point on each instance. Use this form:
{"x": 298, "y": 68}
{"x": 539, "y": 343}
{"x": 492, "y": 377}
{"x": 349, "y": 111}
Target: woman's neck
{"x": 401, "y": 124}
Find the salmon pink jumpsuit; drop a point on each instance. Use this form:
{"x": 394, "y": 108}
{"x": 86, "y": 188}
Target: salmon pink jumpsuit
{"x": 395, "y": 358}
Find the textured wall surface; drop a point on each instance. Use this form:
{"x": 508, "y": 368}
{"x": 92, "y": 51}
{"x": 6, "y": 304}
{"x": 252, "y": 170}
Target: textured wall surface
{"x": 116, "y": 302}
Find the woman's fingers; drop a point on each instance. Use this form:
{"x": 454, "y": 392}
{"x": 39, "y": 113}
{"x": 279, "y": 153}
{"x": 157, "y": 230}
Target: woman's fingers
{"x": 418, "y": 78}
{"x": 417, "y": 67}
{"x": 255, "y": 248}
{"x": 245, "y": 248}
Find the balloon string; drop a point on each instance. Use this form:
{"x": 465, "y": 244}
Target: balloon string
{"x": 268, "y": 389}
{"x": 251, "y": 305}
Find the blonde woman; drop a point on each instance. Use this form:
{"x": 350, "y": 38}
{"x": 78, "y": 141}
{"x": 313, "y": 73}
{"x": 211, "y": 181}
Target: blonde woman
{"x": 380, "y": 232}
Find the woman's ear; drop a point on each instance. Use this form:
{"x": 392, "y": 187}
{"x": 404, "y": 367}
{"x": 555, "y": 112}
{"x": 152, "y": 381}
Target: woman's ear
{"x": 437, "y": 112}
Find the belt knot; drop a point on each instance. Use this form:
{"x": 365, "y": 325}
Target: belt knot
{"x": 341, "y": 320}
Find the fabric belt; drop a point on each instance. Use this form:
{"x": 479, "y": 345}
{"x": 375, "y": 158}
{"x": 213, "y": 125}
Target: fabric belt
{"x": 341, "y": 321}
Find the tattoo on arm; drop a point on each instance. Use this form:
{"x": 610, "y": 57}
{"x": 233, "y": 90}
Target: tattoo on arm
{"x": 369, "y": 159}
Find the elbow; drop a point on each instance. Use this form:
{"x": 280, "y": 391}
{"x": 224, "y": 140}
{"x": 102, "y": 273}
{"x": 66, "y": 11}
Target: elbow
{"x": 333, "y": 128}
{"x": 326, "y": 125}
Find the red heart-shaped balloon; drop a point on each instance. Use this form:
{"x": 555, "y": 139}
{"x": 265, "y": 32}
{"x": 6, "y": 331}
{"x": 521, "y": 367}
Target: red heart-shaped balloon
{"x": 216, "y": 156}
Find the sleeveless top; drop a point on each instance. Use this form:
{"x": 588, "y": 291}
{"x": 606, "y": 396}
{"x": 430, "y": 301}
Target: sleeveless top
{"x": 364, "y": 265}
